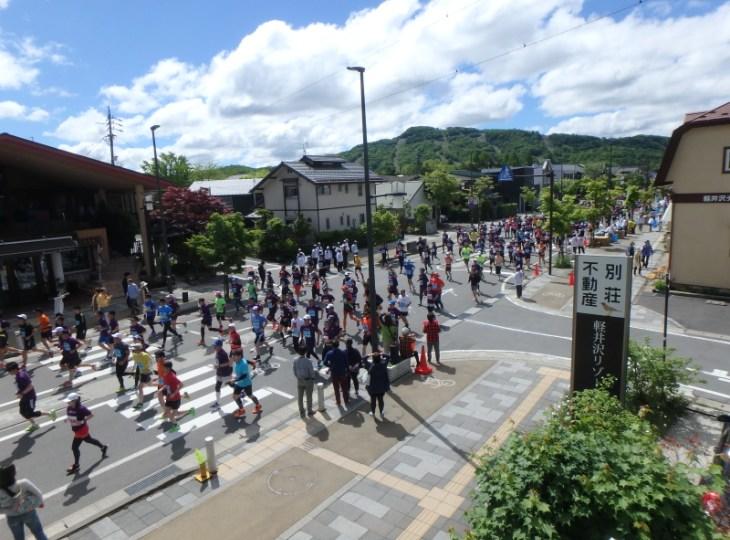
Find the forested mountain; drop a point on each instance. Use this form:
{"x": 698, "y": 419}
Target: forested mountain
{"x": 470, "y": 148}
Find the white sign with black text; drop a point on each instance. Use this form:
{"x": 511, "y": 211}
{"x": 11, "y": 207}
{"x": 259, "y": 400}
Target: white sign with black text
{"x": 603, "y": 285}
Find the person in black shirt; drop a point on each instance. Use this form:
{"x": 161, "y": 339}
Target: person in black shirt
{"x": 354, "y": 361}
{"x": 4, "y": 348}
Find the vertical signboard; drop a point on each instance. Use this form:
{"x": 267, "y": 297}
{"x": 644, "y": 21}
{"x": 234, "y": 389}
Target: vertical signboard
{"x": 601, "y": 313}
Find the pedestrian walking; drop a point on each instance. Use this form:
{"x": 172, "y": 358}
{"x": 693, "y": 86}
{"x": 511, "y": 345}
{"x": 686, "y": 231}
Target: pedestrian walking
{"x": 19, "y": 502}
{"x": 432, "y": 329}
{"x": 26, "y": 396}
{"x": 646, "y": 252}
{"x": 378, "y": 384}
{"x": 78, "y": 417}
{"x": 354, "y": 362}
{"x": 80, "y": 324}
{"x": 519, "y": 279}
{"x": 305, "y": 375}
{"x": 637, "y": 262}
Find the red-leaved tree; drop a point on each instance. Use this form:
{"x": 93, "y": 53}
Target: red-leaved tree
{"x": 187, "y": 212}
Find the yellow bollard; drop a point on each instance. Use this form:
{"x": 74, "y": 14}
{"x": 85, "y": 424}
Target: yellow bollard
{"x": 203, "y": 474}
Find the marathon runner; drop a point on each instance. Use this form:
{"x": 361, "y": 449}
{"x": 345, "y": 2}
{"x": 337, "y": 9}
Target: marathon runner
{"x": 142, "y": 372}
{"x": 242, "y": 384}
{"x": 223, "y": 369}
{"x": 27, "y": 396}
{"x": 171, "y": 387}
{"x": 78, "y": 416}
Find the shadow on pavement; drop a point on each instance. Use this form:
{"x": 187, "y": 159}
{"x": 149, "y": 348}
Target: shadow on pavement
{"x": 317, "y": 429}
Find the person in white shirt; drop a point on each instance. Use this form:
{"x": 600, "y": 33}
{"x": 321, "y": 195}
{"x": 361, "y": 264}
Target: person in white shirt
{"x": 296, "y": 328}
{"x": 354, "y": 249}
{"x": 403, "y": 303}
{"x": 519, "y": 279}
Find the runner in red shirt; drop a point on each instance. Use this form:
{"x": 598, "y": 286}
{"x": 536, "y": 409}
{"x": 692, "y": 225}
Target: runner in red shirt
{"x": 171, "y": 387}
{"x": 78, "y": 416}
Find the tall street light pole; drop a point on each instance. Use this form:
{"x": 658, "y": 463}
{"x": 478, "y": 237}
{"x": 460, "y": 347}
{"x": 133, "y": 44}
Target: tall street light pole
{"x": 547, "y": 170}
{"x": 368, "y": 214}
{"x": 163, "y": 221}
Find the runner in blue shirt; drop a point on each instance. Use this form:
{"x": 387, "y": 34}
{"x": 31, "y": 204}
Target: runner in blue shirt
{"x": 410, "y": 269}
{"x": 258, "y": 324}
{"x": 150, "y": 310}
{"x": 242, "y": 383}
{"x": 164, "y": 312}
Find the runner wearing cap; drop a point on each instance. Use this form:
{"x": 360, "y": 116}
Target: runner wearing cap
{"x": 26, "y": 396}
{"x": 164, "y": 312}
{"x": 45, "y": 330}
{"x": 234, "y": 338}
{"x": 223, "y": 368}
{"x": 105, "y": 337}
{"x": 137, "y": 330}
{"x": 310, "y": 333}
{"x": 242, "y": 384}
{"x": 171, "y": 387}
{"x": 142, "y": 372}
{"x": 206, "y": 319}
{"x": 120, "y": 352}
{"x": 258, "y": 324}
{"x": 78, "y": 417}
{"x": 220, "y": 309}
{"x": 150, "y": 311}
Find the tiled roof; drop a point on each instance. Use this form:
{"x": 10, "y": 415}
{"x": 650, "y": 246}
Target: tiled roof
{"x": 226, "y": 188}
{"x": 343, "y": 171}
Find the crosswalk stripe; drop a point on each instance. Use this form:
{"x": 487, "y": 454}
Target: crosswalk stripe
{"x": 126, "y": 398}
{"x": 152, "y": 422}
{"x": 211, "y": 416}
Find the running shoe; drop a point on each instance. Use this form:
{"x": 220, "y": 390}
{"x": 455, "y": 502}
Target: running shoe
{"x": 215, "y": 405}
{"x": 121, "y": 390}
{"x": 103, "y": 451}
{"x": 33, "y": 427}
{"x": 138, "y": 406}
{"x": 258, "y": 409}
{"x": 240, "y": 413}
{"x": 72, "y": 469}
{"x": 191, "y": 412}
{"x": 52, "y": 415}
{"x": 174, "y": 428}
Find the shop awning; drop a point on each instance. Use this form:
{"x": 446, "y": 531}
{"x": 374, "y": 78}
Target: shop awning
{"x": 36, "y": 246}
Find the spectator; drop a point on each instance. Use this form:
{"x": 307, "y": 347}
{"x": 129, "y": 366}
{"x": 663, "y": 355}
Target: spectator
{"x": 133, "y": 293}
{"x": 379, "y": 384}
{"x": 432, "y": 329}
{"x": 19, "y": 501}
{"x": 336, "y": 361}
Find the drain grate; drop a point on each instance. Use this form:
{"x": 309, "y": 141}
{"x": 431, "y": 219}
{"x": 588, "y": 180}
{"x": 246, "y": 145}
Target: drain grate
{"x": 151, "y": 480}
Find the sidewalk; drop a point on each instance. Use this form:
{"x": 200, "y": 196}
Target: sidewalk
{"x": 348, "y": 475}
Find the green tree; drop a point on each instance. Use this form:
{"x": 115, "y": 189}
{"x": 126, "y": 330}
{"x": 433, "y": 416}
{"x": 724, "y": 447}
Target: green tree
{"x": 385, "y": 226}
{"x": 565, "y": 213}
{"x": 174, "y": 168}
{"x": 529, "y": 196}
{"x": 443, "y": 188}
{"x": 225, "y": 241}
{"x": 593, "y": 471}
{"x": 601, "y": 197}
{"x": 421, "y": 215}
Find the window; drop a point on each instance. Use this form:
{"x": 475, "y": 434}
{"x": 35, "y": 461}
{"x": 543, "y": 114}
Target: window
{"x": 726, "y": 160}
{"x": 347, "y": 188}
{"x": 325, "y": 190}
{"x": 359, "y": 190}
{"x": 339, "y": 188}
{"x": 291, "y": 191}
{"x": 362, "y": 219}
{"x": 342, "y": 219}
{"x": 327, "y": 223}
{"x": 348, "y": 220}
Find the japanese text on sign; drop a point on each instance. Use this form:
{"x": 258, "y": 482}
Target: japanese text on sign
{"x": 602, "y": 285}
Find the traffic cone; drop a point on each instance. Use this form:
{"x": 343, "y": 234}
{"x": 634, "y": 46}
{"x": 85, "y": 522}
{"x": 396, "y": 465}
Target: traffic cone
{"x": 536, "y": 270}
{"x": 423, "y": 368}
{"x": 571, "y": 278}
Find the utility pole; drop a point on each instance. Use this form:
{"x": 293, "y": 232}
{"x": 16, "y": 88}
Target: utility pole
{"x": 112, "y": 124}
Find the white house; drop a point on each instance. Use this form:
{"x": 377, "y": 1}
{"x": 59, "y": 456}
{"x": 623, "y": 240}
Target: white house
{"x": 235, "y": 192}
{"x": 402, "y": 194}
{"x": 327, "y": 191}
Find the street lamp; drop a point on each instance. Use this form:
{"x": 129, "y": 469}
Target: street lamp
{"x": 547, "y": 170}
{"x": 163, "y": 221}
{"x": 368, "y": 213}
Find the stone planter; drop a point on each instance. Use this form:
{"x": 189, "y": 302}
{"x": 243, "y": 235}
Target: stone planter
{"x": 396, "y": 371}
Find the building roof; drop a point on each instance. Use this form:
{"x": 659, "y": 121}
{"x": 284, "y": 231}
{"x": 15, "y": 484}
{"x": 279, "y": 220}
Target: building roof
{"x": 715, "y": 117}
{"x": 325, "y": 169}
{"x": 68, "y": 167}
{"x": 227, "y": 187}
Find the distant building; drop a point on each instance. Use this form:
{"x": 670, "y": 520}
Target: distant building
{"x": 402, "y": 194}
{"x": 235, "y": 193}
{"x": 327, "y": 191}
{"x": 696, "y": 167}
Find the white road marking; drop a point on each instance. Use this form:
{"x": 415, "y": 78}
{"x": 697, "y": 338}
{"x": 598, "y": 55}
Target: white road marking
{"x": 698, "y": 389}
{"x": 518, "y": 330}
{"x": 278, "y": 392}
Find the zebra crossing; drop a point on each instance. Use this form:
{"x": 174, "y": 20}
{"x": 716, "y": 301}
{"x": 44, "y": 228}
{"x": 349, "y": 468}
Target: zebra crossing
{"x": 198, "y": 389}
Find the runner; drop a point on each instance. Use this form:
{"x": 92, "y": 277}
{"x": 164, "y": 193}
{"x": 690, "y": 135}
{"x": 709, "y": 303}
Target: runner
{"x": 27, "y": 396}
{"x": 410, "y": 269}
{"x": 296, "y": 328}
{"x": 142, "y": 372}
{"x": 234, "y": 338}
{"x": 252, "y": 294}
{"x": 223, "y": 368}
{"x": 26, "y": 334}
{"x": 46, "y": 330}
{"x": 357, "y": 261}
{"x": 137, "y": 330}
{"x": 243, "y": 385}
{"x": 392, "y": 284}
{"x": 70, "y": 359}
{"x": 220, "y": 309}
{"x": 120, "y": 352}
{"x": 172, "y": 302}
{"x": 171, "y": 387}
{"x": 310, "y": 333}
{"x": 164, "y": 312}
{"x": 258, "y": 324}
{"x": 348, "y": 306}
{"x": 80, "y": 325}
{"x": 422, "y": 285}
{"x": 150, "y": 311}
{"x": 474, "y": 279}
{"x": 105, "y": 337}
{"x": 237, "y": 289}
{"x": 78, "y": 417}
{"x": 403, "y": 304}
{"x": 4, "y": 348}
{"x": 206, "y": 319}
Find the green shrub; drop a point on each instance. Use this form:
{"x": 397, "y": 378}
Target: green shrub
{"x": 563, "y": 261}
{"x": 660, "y": 285}
{"x": 653, "y": 381}
{"x": 593, "y": 471}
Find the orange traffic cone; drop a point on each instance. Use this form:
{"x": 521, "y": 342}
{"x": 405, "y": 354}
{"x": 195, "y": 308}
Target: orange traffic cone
{"x": 536, "y": 270}
{"x": 423, "y": 368}
{"x": 571, "y": 278}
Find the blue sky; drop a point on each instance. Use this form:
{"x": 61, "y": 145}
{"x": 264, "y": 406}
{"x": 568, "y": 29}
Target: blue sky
{"x": 225, "y": 82}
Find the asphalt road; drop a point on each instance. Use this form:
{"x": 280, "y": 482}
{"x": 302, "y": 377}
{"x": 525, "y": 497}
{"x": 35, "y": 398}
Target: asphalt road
{"x": 139, "y": 446}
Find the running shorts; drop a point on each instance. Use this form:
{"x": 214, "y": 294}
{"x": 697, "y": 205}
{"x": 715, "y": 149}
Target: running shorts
{"x": 248, "y": 390}
{"x": 173, "y": 404}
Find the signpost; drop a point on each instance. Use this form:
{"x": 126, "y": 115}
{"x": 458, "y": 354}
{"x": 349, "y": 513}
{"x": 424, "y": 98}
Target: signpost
{"x": 601, "y": 314}
{"x": 505, "y": 174}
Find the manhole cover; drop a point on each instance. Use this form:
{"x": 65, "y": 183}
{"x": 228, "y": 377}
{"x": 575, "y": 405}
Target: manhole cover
{"x": 292, "y": 480}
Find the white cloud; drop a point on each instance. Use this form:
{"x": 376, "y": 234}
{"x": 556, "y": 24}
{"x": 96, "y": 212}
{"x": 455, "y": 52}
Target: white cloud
{"x": 4, "y": 4}
{"x": 12, "y": 110}
{"x": 435, "y": 63}
{"x": 20, "y": 58}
